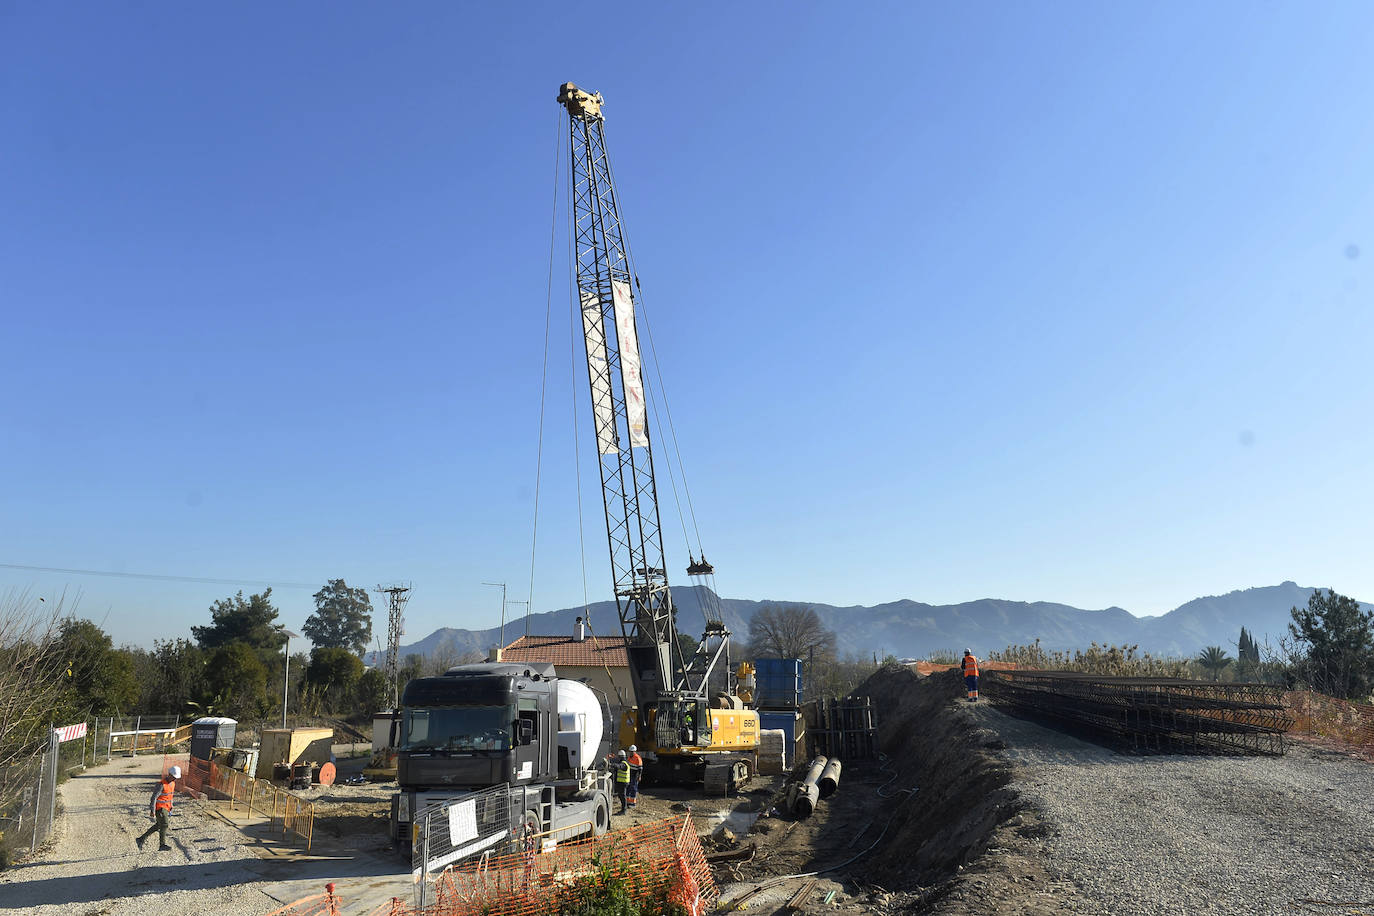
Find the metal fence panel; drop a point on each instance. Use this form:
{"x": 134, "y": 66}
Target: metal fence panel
{"x": 441, "y": 834}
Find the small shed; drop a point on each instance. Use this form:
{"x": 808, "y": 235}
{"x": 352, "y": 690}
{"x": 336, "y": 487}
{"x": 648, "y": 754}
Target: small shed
{"x": 292, "y": 746}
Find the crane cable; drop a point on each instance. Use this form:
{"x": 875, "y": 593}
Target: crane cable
{"x": 544, "y": 376}
{"x": 574, "y": 320}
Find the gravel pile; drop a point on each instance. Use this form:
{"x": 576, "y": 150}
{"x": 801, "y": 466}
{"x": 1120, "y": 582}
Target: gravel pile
{"x": 1185, "y": 835}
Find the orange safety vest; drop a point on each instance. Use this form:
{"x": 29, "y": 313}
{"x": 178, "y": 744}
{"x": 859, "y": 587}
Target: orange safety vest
{"x": 970, "y": 666}
{"x": 164, "y": 798}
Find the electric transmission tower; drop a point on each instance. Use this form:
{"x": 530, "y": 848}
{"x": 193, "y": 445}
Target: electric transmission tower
{"x": 397, "y": 596}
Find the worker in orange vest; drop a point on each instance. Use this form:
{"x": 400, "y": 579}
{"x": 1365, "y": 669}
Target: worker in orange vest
{"x": 970, "y": 669}
{"x": 636, "y": 770}
{"x": 160, "y": 806}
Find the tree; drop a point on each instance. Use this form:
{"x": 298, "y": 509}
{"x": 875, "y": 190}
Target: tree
{"x": 176, "y": 673}
{"x": 371, "y": 694}
{"x": 100, "y": 678}
{"x": 790, "y": 632}
{"x": 33, "y": 678}
{"x": 238, "y": 678}
{"x": 332, "y": 674}
{"x": 1337, "y": 640}
{"x": 237, "y": 620}
{"x": 1215, "y": 660}
{"x": 342, "y": 618}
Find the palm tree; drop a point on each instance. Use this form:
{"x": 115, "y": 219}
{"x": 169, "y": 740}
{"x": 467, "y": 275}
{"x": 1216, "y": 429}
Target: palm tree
{"x": 1214, "y": 659}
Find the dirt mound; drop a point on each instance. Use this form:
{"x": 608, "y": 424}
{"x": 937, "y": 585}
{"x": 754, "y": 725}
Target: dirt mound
{"x": 961, "y": 786}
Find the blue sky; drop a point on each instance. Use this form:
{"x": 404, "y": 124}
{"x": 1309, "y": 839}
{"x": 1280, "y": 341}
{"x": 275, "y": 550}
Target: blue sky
{"x": 1059, "y": 302}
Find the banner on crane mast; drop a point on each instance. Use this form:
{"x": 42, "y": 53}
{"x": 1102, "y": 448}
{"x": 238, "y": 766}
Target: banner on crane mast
{"x": 594, "y": 333}
{"x": 629, "y": 363}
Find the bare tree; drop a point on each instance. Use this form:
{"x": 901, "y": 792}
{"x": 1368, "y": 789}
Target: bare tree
{"x": 447, "y": 655}
{"x": 33, "y": 671}
{"x": 791, "y": 631}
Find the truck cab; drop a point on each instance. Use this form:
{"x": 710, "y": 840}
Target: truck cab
{"x": 501, "y": 723}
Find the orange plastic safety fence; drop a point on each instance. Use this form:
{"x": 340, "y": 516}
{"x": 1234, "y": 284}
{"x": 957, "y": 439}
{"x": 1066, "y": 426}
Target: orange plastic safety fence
{"x": 658, "y": 865}
{"x": 660, "y": 862}
{"x": 326, "y": 904}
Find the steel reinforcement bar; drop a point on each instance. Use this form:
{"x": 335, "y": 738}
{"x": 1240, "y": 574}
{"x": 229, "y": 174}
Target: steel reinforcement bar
{"x": 1150, "y": 715}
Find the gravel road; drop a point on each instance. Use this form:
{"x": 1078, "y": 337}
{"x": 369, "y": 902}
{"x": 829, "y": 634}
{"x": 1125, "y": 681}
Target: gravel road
{"x": 94, "y": 867}
{"x": 1185, "y": 835}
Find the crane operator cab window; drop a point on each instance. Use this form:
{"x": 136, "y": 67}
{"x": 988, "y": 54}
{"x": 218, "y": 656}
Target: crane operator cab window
{"x": 695, "y": 725}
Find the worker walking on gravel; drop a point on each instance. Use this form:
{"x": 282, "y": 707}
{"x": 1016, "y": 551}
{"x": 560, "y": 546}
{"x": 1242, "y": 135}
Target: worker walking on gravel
{"x": 636, "y": 770}
{"x": 970, "y": 669}
{"x": 622, "y": 781}
{"x": 160, "y": 806}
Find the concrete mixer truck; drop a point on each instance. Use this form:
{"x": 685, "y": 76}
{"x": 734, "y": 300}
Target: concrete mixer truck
{"x": 513, "y": 726}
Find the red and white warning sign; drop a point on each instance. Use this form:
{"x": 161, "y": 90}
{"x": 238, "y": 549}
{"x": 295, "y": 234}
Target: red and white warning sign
{"x": 71, "y": 732}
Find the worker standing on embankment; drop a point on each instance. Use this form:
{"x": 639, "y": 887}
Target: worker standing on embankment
{"x": 160, "y": 807}
{"x": 970, "y": 669}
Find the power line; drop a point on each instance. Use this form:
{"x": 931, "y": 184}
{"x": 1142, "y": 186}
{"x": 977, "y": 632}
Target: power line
{"x": 128, "y": 575}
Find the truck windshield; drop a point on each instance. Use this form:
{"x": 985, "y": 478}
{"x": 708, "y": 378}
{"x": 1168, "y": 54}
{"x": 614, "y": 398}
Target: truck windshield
{"x": 457, "y": 728}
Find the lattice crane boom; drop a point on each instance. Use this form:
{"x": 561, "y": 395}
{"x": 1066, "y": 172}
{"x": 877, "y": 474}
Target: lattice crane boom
{"x": 615, "y": 376}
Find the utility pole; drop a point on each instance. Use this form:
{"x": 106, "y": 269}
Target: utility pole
{"x": 397, "y": 596}
{"x": 502, "y": 643}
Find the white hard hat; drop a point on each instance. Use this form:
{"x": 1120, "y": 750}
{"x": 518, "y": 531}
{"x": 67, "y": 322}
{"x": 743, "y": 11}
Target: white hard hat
{"x": 622, "y": 753}
{"x": 968, "y": 651}
{"x": 633, "y": 748}
{"x": 174, "y": 772}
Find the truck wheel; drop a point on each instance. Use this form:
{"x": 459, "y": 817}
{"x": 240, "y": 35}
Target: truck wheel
{"x": 529, "y": 829}
{"x": 601, "y": 818}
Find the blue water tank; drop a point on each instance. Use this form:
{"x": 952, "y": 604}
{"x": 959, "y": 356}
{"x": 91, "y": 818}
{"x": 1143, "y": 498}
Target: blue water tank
{"x": 779, "y": 683}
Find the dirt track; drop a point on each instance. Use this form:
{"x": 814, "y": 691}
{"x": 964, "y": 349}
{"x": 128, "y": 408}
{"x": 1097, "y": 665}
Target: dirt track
{"x": 93, "y": 867}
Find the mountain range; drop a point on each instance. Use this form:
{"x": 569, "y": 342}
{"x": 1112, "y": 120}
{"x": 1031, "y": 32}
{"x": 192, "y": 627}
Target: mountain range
{"x": 912, "y": 629}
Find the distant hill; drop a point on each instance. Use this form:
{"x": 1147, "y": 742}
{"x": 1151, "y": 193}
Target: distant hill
{"x": 911, "y": 629}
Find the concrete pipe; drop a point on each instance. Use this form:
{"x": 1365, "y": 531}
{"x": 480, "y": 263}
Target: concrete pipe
{"x": 830, "y": 778}
{"x": 805, "y": 802}
{"x": 807, "y": 794}
{"x": 814, "y": 773}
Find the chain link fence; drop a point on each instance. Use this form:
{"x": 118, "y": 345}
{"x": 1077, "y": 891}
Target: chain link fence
{"x": 28, "y": 811}
{"x": 441, "y": 834}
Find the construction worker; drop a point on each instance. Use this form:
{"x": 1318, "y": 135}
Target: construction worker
{"x": 636, "y": 769}
{"x": 622, "y": 781}
{"x": 159, "y": 807}
{"x": 970, "y": 669}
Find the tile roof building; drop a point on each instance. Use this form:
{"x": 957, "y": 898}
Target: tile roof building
{"x": 600, "y": 661}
